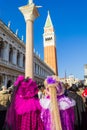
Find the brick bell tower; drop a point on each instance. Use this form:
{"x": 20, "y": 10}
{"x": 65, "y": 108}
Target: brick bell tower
{"x": 50, "y": 56}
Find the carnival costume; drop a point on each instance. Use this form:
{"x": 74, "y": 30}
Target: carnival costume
{"x": 65, "y": 105}
{"x": 24, "y": 111}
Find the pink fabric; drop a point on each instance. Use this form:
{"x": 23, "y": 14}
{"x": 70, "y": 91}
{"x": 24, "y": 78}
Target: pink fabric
{"x": 29, "y": 121}
{"x": 23, "y": 106}
{"x": 18, "y": 80}
{"x": 25, "y": 100}
{"x": 27, "y": 89}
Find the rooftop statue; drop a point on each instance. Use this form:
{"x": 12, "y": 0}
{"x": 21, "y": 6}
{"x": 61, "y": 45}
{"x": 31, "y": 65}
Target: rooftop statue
{"x": 30, "y": 1}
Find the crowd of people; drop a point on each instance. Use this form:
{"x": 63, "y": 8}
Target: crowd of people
{"x": 28, "y": 106}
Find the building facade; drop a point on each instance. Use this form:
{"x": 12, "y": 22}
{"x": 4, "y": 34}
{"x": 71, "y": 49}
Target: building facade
{"x": 12, "y": 58}
{"x": 71, "y": 79}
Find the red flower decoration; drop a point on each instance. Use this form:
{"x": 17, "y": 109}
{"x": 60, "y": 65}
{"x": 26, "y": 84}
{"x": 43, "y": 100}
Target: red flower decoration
{"x": 84, "y": 94}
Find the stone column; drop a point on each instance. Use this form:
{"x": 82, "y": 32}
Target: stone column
{"x": 14, "y": 56}
{"x": 21, "y": 60}
{"x": 34, "y": 67}
{"x": 5, "y": 81}
{"x": 6, "y": 51}
{"x": 30, "y": 13}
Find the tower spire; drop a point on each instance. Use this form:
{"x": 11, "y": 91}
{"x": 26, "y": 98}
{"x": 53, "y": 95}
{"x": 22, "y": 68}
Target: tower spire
{"x": 48, "y": 22}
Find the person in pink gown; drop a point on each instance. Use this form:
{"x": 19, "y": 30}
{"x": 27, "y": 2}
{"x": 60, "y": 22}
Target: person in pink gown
{"x": 24, "y": 112}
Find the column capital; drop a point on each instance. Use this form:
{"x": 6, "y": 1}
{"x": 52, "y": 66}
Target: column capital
{"x": 29, "y": 11}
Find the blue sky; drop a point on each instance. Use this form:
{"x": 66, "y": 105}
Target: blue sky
{"x": 69, "y": 18}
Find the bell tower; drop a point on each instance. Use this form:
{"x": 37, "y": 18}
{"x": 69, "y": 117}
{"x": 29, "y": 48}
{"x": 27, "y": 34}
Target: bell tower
{"x": 50, "y": 56}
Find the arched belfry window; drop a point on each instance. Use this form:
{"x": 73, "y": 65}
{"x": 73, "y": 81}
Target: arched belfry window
{"x": 10, "y": 54}
{"x": 48, "y": 38}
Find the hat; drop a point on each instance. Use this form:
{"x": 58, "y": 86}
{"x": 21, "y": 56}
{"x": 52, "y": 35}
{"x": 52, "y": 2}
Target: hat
{"x": 54, "y": 81}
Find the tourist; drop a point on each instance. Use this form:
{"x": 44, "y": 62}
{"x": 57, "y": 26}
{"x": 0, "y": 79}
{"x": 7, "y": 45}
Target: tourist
{"x": 24, "y": 111}
{"x": 66, "y": 86}
{"x": 79, "y": 108}
{"x": 5, "y": 99}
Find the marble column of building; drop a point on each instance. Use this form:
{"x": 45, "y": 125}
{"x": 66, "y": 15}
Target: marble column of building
{"x": 30, "y": 13}
{"x": 39, "y": 69}
{"x": 34, "y": 67}
{"x": 14, "y": 56}
{"x": 5, "y": 80}
{"x": 6, "y": 51}
{"x": 21, "y": 60}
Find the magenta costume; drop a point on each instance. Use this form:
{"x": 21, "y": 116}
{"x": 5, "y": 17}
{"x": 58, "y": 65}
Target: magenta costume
{"x": 24, "y": 112}
{"x": 66, "y": 108}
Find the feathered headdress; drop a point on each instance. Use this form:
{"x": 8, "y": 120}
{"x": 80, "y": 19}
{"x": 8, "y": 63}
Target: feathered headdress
{"x": 54, "y": 81}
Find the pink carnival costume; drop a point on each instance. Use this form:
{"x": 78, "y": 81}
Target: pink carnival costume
{"x": 24, "y": 111}
{"x": 66, "y": 107}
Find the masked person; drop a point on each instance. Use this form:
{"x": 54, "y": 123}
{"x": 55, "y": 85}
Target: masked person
{"x": 24, "y": 111}
{"x": 65, "y": 105}
{"x": 5, "y": 98}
